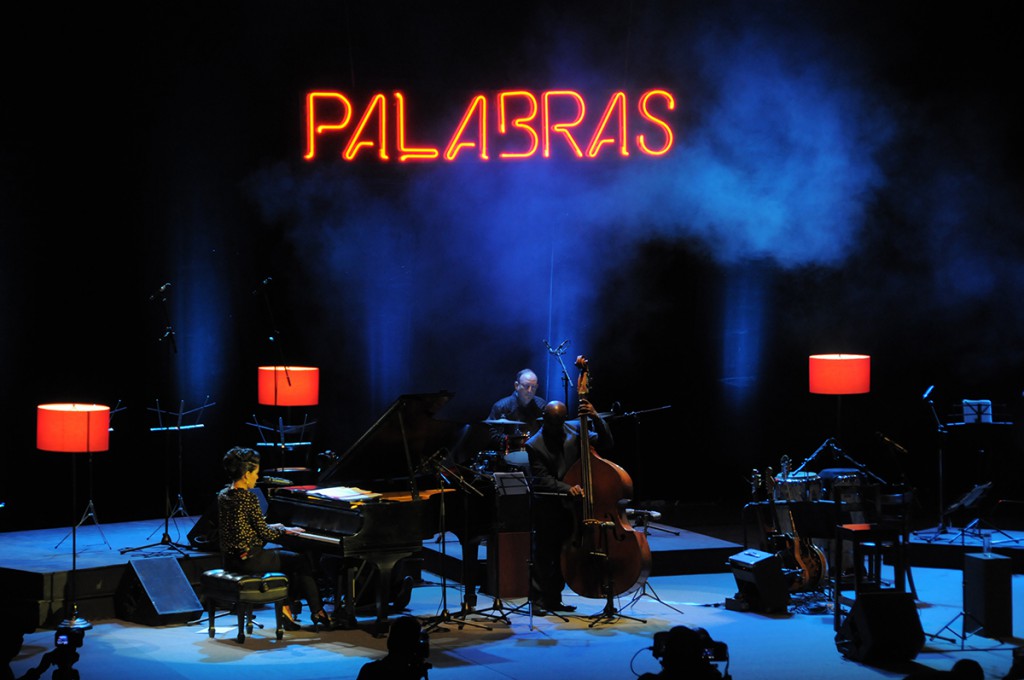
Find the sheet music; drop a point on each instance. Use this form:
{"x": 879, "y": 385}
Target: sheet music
{"x": 344, "y": 493}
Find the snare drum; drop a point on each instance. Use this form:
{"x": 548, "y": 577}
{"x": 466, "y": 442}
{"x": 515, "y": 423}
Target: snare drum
{"x": 517, "y": 460}
{"x": 798, "y": 486}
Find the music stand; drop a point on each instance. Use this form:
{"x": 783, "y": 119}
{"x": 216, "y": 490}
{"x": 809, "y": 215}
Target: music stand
{"x": 179, "y": 427}
{"x": 511, "y": 484}
{"x": 977, "y": 418}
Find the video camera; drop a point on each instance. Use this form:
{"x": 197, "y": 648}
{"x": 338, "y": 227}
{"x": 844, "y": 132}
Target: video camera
{"x": 68, "y": 638}
{"x": 687, "y": 640}
{"x": 689, "y": 652}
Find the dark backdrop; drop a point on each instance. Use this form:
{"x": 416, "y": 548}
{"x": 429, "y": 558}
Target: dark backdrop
{"x": 845, "y": 179}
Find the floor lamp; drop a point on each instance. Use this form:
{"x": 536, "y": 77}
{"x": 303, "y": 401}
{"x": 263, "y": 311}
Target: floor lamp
{"x": 839, "y": 374}
{"x": 73, "y": 428}
{"x": 288, "y": 386}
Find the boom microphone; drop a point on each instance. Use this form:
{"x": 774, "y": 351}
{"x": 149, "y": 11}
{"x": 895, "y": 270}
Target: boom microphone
{"x": 928, "y": 391}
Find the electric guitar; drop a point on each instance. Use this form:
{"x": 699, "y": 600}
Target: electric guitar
{"x": 797, "y": 553}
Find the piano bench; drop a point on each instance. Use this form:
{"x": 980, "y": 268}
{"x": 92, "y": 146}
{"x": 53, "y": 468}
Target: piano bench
{"x": 244, "y": 592}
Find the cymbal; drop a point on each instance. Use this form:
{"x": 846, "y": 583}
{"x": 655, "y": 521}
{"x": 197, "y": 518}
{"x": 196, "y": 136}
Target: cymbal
{"x": 502, "y": 421}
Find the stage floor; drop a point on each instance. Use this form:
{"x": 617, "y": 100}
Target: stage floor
{"x": 690, "y": 586}
{"x": 37, "y": 563}
{"x": 796, "y": 645}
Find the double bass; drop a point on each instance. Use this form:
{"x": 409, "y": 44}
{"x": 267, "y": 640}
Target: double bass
{"x": 605, "y": 557}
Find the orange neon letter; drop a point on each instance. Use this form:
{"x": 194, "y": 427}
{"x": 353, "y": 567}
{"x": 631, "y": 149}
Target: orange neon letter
{"x": 562, "y": 128}
{"x": 519, "y": 122}
{"x": 378, "y": 104}
{"x": 616, "y": 106}
{"x": 670, "y": 103}
{"x": 313, "y": 129}
{"x": 409, "y": 153}
{"x": 479, "y": 107}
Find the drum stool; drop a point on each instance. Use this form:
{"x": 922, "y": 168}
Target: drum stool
{"x": 244, "y": 592}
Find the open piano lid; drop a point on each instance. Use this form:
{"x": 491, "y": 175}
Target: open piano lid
{"x": 392, "y": 451}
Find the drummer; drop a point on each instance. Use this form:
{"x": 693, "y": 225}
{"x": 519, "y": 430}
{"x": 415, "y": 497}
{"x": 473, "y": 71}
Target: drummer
{"x": 523, "y": 407}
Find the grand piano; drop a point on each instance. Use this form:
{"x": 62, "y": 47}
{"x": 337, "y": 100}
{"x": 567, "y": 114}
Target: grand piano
{"x": 395, "y": 461}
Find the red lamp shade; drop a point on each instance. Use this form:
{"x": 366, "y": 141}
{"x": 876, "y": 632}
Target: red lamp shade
{"x": 840, "y": 373}
{"x": 289, "y": 385}
{"x": 72, "y": 428}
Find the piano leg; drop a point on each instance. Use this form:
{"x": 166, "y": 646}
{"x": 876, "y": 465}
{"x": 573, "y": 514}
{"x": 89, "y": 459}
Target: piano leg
{"x": 470, "y": 571}
{"x": 384, "y": 565}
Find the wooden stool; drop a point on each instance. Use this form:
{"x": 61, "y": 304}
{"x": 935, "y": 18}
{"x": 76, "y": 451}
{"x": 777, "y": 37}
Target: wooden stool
{"x": 244, "y": 592}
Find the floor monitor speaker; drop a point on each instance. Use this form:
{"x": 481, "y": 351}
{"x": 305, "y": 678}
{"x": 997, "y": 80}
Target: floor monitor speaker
{"x": 882, "y": 627}
{"x": 760, "y": 582}
{"x": 155, "y": 592}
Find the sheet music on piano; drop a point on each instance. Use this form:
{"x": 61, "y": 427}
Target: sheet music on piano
{"x": 349, "y": 494}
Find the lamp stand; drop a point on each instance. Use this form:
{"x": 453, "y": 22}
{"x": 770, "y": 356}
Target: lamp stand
{"x": 90, "y": 513}
{"x": 73, "y": 620}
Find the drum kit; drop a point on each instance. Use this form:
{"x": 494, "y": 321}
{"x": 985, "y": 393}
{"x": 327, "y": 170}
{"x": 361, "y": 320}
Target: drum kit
{"x": 512, "y": 458}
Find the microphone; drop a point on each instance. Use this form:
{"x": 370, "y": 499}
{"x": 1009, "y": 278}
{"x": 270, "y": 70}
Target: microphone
{"x": 891, "y": 443}
{"x": 160, "y": 291}
{"x": 564, "y": 343}
{"x": 928, "y": 391}
{"x": 261, "y": 284}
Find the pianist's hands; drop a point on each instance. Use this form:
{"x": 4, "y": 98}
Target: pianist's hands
{"x": 287, "y": 530}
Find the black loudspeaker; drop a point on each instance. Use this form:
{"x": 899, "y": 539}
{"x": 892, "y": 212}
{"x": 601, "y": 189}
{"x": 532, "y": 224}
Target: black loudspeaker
{"x": 156, "y": 592}
{"x": 988, "y": 595}
{"x": 761, "y": 583}
{"x": 882, "y": 627}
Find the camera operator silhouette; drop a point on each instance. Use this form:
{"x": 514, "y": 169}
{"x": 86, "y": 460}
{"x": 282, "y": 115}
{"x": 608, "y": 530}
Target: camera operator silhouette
{"x": 408, "y": 649}
{"x": 688, "y": 653}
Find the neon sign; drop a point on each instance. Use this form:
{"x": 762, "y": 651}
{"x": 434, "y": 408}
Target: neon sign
{"x": 510, "y": 125}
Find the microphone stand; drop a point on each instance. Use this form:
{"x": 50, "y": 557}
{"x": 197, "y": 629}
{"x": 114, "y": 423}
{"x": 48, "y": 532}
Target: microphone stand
{"x": 941, "y": 430}
{"x": 557, "y": 352}
{"x": 434, "y": 623}
{"x": 179, "y": 508}
{"x": 274, "y": 338}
